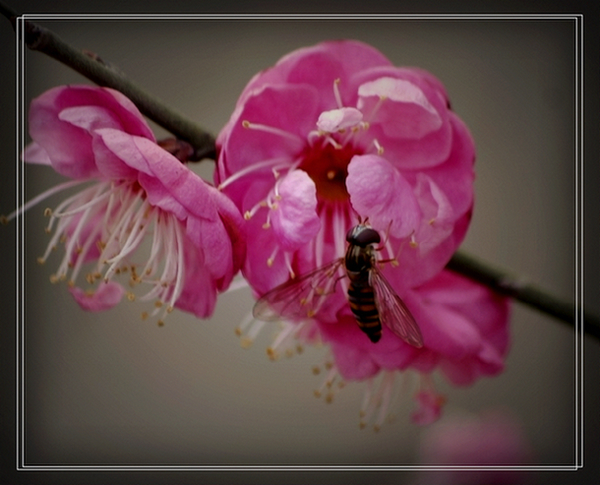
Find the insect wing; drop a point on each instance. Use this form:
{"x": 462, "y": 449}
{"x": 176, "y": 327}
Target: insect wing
{"x": 393, "y": 312}
{"x": 298, "y": 298}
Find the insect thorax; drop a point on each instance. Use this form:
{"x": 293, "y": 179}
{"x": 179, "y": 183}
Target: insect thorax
{"x": 358, "y": 261}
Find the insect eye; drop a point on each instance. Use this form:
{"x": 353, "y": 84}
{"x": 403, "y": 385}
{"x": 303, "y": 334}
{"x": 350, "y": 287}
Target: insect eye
{"x": 362, "y": 236}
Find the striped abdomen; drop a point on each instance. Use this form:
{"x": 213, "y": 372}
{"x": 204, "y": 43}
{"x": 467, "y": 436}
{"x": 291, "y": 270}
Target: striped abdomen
{"x": 362, "y": 303}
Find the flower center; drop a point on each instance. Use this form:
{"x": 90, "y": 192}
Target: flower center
{"x": 327, "y": 166}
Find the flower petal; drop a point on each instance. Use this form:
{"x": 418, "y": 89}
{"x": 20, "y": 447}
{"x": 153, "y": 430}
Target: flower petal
{"x": 294, "y": 217}
{"x": 34, "y": 153}
{"x": 378, "y": 191}
{"x": 105, "y": 297}
{"x": 400, "y": 106}
{"x": 339, "y": 119}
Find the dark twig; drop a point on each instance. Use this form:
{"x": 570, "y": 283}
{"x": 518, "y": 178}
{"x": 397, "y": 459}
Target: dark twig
{"x": 91, "y": 66}
{"x": 506, "y": 284}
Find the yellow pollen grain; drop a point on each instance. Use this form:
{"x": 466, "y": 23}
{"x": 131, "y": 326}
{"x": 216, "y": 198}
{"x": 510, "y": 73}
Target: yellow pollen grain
{"x": 238, "y": 331}
{"x": 130, "y": 296}
{"x": 160, "y": 323}
{"x": 144, "y": 315}
{"x": 272, "y": 354}
{"x": 329, "y": 398}
{"x": 53, "y": 279}
{"x": 247, "y": 215}
{"x": 47, "y": 212}
{"x": 41, "y": 260}
{"x": 299, "y": 348}
{"x": 362, "y": 425}
{"x": 158, "y": 304}
{"x": 310, "y": 313}
{"x": 246, "y": 343}
{"x": 266, "y": 225}
{"x": 317, "y": 393}
{"x": 246, "y": 124}
{"x": 431, "y": 221}
{"x": 316, "y": 370}
{"x": 270, "y": 262}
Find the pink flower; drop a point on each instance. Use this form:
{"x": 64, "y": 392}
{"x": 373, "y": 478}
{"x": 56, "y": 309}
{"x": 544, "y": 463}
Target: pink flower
{"x": 334, "y": 131}
{"x": 494, "y": 440}
{"x": 136, "y": 191}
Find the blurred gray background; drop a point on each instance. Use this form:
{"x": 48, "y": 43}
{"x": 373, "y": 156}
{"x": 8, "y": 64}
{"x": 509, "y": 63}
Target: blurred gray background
{"x": 110, "y": 388}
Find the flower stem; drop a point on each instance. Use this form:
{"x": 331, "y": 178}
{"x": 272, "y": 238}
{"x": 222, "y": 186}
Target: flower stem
{"x": 91, "y": 66}
{"x": 510, "y": 285}
{"x": 101, "y": 73}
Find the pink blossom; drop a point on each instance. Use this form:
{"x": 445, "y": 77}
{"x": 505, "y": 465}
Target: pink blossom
{"x": 135, "y": 191}
{"x": 374, "y": 139}
{"x": 495, "y": 440}
{"x": 378, "y": 142}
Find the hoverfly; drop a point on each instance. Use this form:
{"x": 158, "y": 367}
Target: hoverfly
{"x": 372, "y": 300}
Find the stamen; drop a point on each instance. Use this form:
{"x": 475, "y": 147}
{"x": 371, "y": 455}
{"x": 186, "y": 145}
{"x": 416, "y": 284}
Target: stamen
{"x": 249, "y": 214}
{"x": 413, "y": 242}
{"x": 253, "y": 332}
{"x": 331, "y": 141}
{"x": 373, "y": 112}
{"x": 378, "y": 147}
{"x": 336, "y": 93}
{"x": 246, "y": 321}
{"x": 387, "y": 386}
{"x": 39, "y": 198}
{"x": 288, "y": 264}
{"x": 271, "y": 259}
{"x": 272, "y": 162}
{"x": 273, "y": 130}
{"x": 282, "y": 341}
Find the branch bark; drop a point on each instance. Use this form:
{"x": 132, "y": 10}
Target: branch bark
{"x": 92, "y": 67}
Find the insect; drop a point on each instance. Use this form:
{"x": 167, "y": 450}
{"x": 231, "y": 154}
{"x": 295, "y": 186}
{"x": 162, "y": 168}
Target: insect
{"x": 372, "y": 300}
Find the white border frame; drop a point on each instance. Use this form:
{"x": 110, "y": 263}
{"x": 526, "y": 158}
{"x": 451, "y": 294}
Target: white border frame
{"x": 21, "y": 48}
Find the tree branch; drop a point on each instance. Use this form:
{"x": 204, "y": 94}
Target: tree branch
{"x": 507, "y": 284}
{"x": 43, "y": 40}
{"x": 92, "y": 67}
